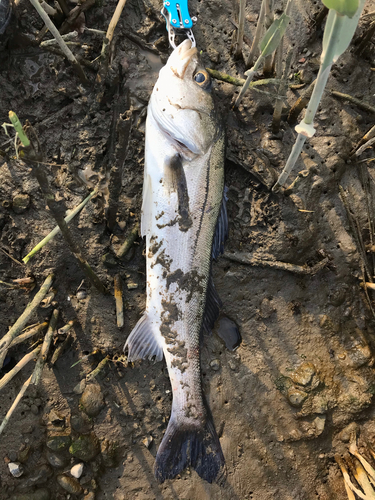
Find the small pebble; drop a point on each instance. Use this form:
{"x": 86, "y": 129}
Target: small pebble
{"x": 57, "y": 460}
{"x": 15, "y": 469}
{"x": 92, "y": 400}
{"x": 76, "y": 470}
{"x": 215, "y": 364}
{"x": 81, "y": 295}
{"x": 70, "y": 484}
{"x": 296, "y": 397}
{"x": 34, "y": 409}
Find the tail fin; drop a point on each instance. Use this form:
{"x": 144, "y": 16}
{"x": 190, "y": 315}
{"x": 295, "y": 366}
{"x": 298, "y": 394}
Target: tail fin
{"x": 196, "y": 447}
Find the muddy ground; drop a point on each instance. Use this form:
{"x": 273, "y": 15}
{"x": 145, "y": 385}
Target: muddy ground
{"x": 304, "y": 369}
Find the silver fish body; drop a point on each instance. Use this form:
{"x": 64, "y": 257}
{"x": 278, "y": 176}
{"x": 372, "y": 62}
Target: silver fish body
{"x": 184, "y": 222}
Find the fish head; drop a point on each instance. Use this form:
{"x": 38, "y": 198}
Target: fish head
{"x": 182, "y": 103}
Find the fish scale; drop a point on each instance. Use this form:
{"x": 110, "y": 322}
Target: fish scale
{"x": 182, "y": 199}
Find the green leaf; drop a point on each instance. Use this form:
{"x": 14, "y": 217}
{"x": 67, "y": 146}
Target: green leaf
{"x": 274, "y": 34}
{"x": 343, "y": 7}
{"x": 339, "y": 32}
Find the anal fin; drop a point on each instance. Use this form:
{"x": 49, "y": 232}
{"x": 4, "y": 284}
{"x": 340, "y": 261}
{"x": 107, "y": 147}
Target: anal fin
{"x": 142, "y": 343}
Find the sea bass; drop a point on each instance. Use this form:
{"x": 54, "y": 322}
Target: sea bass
{"x": 185, "y": 224}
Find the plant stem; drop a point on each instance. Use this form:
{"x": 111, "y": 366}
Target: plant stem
{"x": 55, "y": 32}
{"x": 15, "y": 403}
{"x": 276, "y": 119}
{"x": 250, "y": 75}
{"x": 241, "y": 27}
{"x": 255, "y": 45}
{"x": 23, "y": 362}
{"x": 30, "y": 333}
{"x": 45, "y": 348}
{"x": 18, "y": 128}
{"x": 108, "y": 39}
{"x": 316, "y": 96}
{"x": 56, "y": 230}
{"x": 22, "y": 320}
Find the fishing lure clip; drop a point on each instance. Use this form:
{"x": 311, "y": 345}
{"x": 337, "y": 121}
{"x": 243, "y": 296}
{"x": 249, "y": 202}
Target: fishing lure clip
{"x": 178, "y": 18}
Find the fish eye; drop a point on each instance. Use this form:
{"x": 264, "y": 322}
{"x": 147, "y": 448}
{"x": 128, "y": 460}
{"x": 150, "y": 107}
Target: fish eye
{"x": 202, "y": 78}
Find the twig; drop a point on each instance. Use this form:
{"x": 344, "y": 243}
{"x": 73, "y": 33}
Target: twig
{"x": 119, "y": 301}
{"x": 74, "y": 13}
{"x": 355, "y": 101}
{"x": 368, "y": 135}
{"x": 63, "y": 346}
{"x": 30, "y": 333}
{"x": 365, "y": 146}
{"x": 68, "y": 53}
{"x": 365, "y": 39}
{"x": 108, "y": 39}
{"x": 13, "y": 259}
{"x": 356, "y": 233}
{"x": 243, "y": 258}
{"x": 23, "y": 362}
{"x": 56, "y": 230}
{"x": 72, "y": 36}
{"x": 45, "y": 348}
{"x": 22, "y": 320}
{"x": 246, "y": 39}
{"x": 300, "y": 103}
{"x": 238, "y": 82}
{"x": 15, "y": 403}
{"x": 98, "y": 369}
{"x": 125, "y": 247}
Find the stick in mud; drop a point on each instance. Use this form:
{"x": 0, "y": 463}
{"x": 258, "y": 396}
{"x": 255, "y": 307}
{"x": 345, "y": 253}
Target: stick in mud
{"x": 300, "y": 104}
{"x": 353, "y": 100}
{"x": 107, "y": 41}
{"x": 23, "y": 362}
{"x": 30, "y": 333}
{"x": 125, "y": 247}
{"x": 55, "y": 32}
{"x": 45, "y": 348}
{"x": 246, "y": 259}
{"x": 22, "y": 320}
{"x": 15, "y": 403}
{"x": 119, "y": 301}
{"x": 56, "y": 230}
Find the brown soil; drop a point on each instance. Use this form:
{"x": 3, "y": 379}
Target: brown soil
{"x": 320, "y": 325}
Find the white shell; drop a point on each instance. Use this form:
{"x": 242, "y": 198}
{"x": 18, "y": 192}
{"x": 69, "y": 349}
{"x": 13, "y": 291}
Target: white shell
{"x": 76, "y": 470}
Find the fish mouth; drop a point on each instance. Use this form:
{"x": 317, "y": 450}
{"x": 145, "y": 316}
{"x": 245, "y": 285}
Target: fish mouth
{"x": 181, "y": 58}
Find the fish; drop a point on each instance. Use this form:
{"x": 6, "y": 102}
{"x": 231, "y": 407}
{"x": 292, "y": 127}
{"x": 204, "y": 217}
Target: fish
{"x": 185, "y": 223}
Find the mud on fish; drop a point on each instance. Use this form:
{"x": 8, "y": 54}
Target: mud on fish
{"x": 184, "y": 221}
